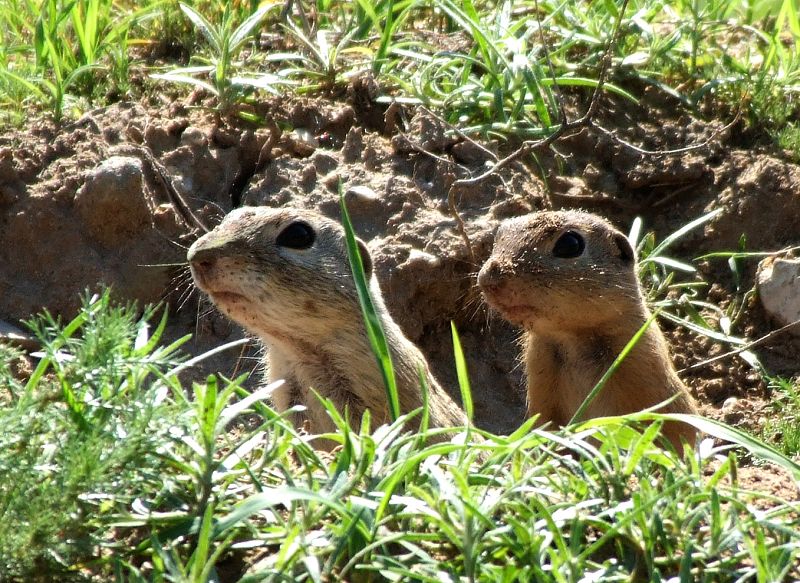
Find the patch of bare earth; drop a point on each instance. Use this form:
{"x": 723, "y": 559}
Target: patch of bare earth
{"x": 81, "y": 205}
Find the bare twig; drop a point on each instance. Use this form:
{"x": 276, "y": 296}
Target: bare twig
{"x": 566, "y": 126}
{"x": 265, "y": 154}
{"x": 670, "y": 196}
{"x": 459, "y": 133}
{"x": 758, "y": 342}
{"x": 675, "y": 151}
{"x": 162, "y": 176}
{"x": 462, "y": 229}
{"x": 414, "y": 147}
{"x": 596, "y": 198}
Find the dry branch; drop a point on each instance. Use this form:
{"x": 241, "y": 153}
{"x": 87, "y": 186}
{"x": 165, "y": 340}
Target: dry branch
{"x": 757, "y": 342}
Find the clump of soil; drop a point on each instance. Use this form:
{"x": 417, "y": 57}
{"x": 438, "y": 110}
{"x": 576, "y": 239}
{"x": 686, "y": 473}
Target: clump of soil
{"x": 83, "y": 205}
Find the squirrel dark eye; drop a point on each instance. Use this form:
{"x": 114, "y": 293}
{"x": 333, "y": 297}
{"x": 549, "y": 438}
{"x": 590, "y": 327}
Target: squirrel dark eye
{"x": 297, "y": 235}
{"x": 569, "y": 245}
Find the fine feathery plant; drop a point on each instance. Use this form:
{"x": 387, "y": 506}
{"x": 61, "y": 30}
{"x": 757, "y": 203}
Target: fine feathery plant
{"x": 78, "y": 434}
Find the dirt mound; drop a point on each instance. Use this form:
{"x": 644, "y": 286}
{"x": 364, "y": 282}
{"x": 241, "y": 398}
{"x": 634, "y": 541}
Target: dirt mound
{"x": 85, "y": 205}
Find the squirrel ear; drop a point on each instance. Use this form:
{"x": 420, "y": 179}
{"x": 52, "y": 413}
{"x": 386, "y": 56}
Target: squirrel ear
{"x": 366, "y": 258}
{"x": 626, "y": 252}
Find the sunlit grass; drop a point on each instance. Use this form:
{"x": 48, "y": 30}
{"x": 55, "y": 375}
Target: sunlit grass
{"x": 783, "y": 426}
{"x": 489, "y": 68}
{"x": 110, "y": 467}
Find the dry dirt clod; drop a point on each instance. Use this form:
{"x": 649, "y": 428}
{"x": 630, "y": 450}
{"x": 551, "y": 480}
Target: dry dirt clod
{"x": 341, "y": 121}
{"x": 324, "y": 162}
{"x": 361, "y": 195}
{"x": 8, "y": 195}
{"x": 331, "y": 181}
{"x": 158, "y": 138}
{"x": 420, "y": 259}
{"x": 194, "y": 138}
{"x": 353, "y": 145}
{"x": 7, "y": 171}
{"x": 302, "y": 142}
{"x": 168, "y": 222}
{"x": 371, "y": 158}
{"x": 469, "y": 153}
{"x": 112, "y": 201}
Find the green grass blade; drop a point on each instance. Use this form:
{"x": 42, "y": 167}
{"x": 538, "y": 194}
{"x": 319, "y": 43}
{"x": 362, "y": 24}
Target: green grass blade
{"x": 245, "y": 28}
{"x": 426, "y": 393}
{"x": 22, "y": 82}
{"x": 463, "y": 375}
{"x": 178, "y": 77}
{"x": 207, "y": 29}
{"x": 612, "y": 369}
{"x": 375, "y": 332}
{"x": 672, "y": 263}
{"x": 590, "y": 83}
{"x": 386, "y": 38}
{"x": 204, "y": 538}
{"x": 274, "y": 497}
{"x": 230, "y": 412}
{"x": 683, "y": 230}
{"x": 732, "y": 434}
{"x": 155, "y": 337}
{"x": 640, "y": 447}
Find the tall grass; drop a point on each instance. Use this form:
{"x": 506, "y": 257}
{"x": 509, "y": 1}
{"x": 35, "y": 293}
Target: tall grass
{"x": 491, "y": 68}
{"x": 54, "y": 50}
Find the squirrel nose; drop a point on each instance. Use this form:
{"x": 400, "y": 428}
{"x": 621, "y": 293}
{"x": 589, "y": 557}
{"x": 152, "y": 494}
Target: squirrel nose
{"x": 490, "y": 275}
{"x": 202, "y": 259}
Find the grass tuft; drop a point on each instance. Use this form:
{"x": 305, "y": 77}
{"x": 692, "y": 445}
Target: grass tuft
{"x": 110, "y": 469}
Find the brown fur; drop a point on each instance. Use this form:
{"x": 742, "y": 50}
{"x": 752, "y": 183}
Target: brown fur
{"x": 578, "y": 315}
{"x": 302, "y": 303}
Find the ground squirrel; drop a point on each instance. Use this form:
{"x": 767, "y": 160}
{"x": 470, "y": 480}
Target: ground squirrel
{"x": 568, "y": 278}
{"x": 284, "y": 275}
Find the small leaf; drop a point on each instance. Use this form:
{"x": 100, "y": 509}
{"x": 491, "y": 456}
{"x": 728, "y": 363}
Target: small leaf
{"x": 245, "y": 28}
{"x": 673, "y": 263}
{"x": 206, "y": 28}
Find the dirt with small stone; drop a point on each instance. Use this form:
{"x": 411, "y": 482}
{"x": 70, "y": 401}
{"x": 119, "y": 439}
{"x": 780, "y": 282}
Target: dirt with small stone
{"x": 83, "y": 205}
